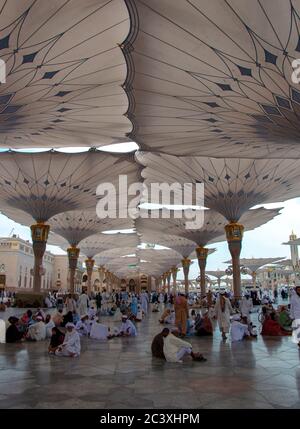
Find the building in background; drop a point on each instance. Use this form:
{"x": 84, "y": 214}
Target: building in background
{"x": 16, "y": 264}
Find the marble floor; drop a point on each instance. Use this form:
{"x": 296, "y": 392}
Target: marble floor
{"x": 121, "y": 373}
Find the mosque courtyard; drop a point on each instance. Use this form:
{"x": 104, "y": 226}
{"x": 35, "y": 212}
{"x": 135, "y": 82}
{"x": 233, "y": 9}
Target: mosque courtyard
{"x": 121, "y": 373}
{"x": 149, "y": 152}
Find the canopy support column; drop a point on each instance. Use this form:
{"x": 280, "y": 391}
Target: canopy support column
{"x": 186, "y": 262}
{"x": 73, "y": 255}
{"x": 202, "y": 254}
{"x": 89, "y": 263}
{"x": 234, "y": 235}
{"x": 39, "y": 234}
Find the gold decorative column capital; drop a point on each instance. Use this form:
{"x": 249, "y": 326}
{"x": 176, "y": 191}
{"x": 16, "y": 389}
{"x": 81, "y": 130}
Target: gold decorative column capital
{"x": 73, "y": 252}
{"x": 89, "y": 263}
{"x": 234, "y": 231}
{"x": 174, "y": 270}
{"x": 40, "y": 231}
{"x": 201, "y": 252}
{"x": 186, "y": 262}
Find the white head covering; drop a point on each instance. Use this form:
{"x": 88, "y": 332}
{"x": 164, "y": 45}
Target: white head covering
{"x": 236, "y": 317}
{"x": 70, "y": 325}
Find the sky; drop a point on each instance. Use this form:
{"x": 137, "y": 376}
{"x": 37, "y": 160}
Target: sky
{"x": 265, "y": 241}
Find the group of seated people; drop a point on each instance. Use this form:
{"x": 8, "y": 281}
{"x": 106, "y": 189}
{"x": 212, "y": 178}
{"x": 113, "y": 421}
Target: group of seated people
{"x": 197, "y": 324}
{"x": 201, "y": 324}
{"x": 64, "y": 330}
{"x": 276, "y": 323}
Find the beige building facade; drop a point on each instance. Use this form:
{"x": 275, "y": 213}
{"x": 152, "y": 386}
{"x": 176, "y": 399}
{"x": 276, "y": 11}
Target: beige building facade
{"x": 16, "y": 264}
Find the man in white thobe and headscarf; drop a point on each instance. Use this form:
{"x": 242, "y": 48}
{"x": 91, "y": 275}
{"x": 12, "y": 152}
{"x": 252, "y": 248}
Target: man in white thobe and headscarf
{"x": 223, "y": 310}
{"x": 71, "y": 346}
{"x": 174, "y": 348}
{"x": 238, "y": 330}
{"x": 37, "y": 331}
{"x": 83, "y": 304}
{"x": 295, "y": 314}
{"x": 71, "y": 304}
{"x": 246, "y": 306}
{"x": 83, "y": 326}
{"x": 127, "y": 328}
{"x": 144, "y": 302}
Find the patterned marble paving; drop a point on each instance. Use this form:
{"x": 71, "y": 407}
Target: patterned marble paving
{"x": 121, "y": 373}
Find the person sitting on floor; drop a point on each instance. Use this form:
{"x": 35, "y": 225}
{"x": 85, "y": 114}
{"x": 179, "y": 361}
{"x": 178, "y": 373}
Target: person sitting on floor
{"x": 26, "y": 319}
{"x": 12, "y": 333}
{"x": 58, "y": 317}
{"x": 49, "y": 326}
{"x": 203, "y": 325}
{"x": 157, "y": 346}
{"x": 41, "y": 313}
{"x": 284, "y": 319}
{"x": 83, "y": 326}
{"x": 71, "y": 346}
{"x": 123, "y": 307}
{"x": 37, "y": 331}
{"x": 76, "y": 317}
{"x": 155, "y": 307}
{"x": 190, "y": 327}
{"x": 164, "y": 315}
{"x": 251, "y": 328}
{"x": 2, "y": 306}
{"x": 272, "y": 328}
{"x": 139, "y": 314}
{"x": 175, "y": 349}
{"x": 67, "y": 318}
{"x": 100, "y": 331}
{"x": 57, "y": 339}
{"x": 92, "y": 313}
{"x": 127, "y": 328}
{"x": 238, "y": 330}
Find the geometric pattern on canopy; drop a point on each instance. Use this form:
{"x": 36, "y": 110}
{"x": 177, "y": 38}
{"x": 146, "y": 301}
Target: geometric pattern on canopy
{"x": 160, "y": 256}
{"x": 65, "y": 72}
{"x": 218, "y": 273}
{"x": 77, "y": 225}
{"x": 231, "y": 186}
{"x": 254, "y": 263}
{"x": 113, "y": 249}
{"x": 213, "y": 78}
{"x": 212, "y": 230}
{"x": 109, "y": 245}
{"x": 45, "y": 184}
{"x": 180, "y": 245}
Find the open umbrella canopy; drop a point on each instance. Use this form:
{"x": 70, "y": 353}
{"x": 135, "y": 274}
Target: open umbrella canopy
{"x": 64, "y": 73}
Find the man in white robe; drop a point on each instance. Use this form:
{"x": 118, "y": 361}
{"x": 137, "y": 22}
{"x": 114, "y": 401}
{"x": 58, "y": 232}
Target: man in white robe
{"x": 223, "y": 311}
{"x": 83, "y": 325}
{"x": 83, "y": 304}
{"x": 71, "y": 346}
{"x": 71, "y": 304}
{"x": 99, "y": 331}
{"x": 175, "y": 349}
{"x": 127, "y": 328}
{"x": 238, "y": 330}
{"x": 37, "y": 331}
{"x": 92, "y": 313}
{"x": 49, "y": 326}
{"x": 144, "y": 302}
{"x": 246, "y": 306}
